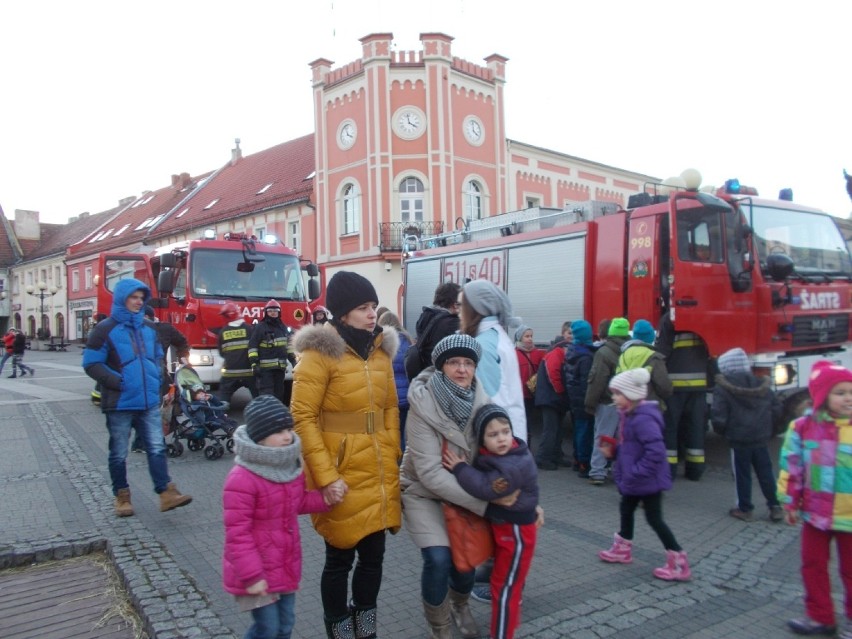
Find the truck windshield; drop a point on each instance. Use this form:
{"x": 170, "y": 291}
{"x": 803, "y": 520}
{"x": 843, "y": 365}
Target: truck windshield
{"x": 811, "y": 240}
{"x": 214, "y": 273}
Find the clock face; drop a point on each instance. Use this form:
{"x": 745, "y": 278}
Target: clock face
{"x": 346, "y": 134}
{"x": 409, "y": 123}
{"x": 473, "y": 130}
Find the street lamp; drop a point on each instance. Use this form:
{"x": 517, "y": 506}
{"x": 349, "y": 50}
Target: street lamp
{"x": 41, "y": 293}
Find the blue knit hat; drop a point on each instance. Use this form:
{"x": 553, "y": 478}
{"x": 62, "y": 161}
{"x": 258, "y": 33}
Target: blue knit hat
{"x": 582, "y": 332}
{"x": 644, "y": 330}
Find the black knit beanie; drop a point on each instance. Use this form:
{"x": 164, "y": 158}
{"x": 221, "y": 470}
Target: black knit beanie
{"x": 484, "y": 415}
{"x": 265, "y": 415}
{"x": 347, "y": 290}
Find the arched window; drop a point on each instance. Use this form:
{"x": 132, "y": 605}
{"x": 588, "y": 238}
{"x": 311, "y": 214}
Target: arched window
{"x": 472, "y": 198}
{"x": 59, "y": 328}
{"x": 351, "y": 209}
{"x": 411, "y": 200}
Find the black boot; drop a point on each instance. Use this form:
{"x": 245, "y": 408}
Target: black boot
{"x": 340, "y": 628}
{"x": 363, "y": 622}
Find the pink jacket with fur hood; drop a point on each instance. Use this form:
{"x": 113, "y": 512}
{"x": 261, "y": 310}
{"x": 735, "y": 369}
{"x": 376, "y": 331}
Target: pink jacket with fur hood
{"x": 261, "y": 528}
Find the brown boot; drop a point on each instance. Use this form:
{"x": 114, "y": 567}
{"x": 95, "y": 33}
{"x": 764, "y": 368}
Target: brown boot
{"x": 171, "y": 498}
{"x": 462, "y": 616}
{"x": 123, "y": 507}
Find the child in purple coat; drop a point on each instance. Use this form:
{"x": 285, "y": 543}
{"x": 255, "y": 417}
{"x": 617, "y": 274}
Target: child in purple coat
{"x": 641, "y": 472}
{"x": 263, "y": 495}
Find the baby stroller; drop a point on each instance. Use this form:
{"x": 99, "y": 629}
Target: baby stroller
{"x": 198, "y": 417}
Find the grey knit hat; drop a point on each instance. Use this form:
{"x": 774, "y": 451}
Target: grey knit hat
{"x": 456, "y": 345}
{"x": 265, "y": 415}
{"x": 633, "y": 384}
{"x": 734, "y": 361}
{"x": 487, "y": 300}
{"x": 519, "y": 332}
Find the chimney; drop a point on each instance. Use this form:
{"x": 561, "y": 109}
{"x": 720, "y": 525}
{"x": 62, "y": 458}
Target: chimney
{"x": 236, "y": 153}
{"x": 175, "y": 180}
{"x": 126, "y": 200}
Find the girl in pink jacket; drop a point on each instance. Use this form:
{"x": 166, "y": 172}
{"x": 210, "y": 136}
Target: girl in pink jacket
{"x": 263, "y": 495}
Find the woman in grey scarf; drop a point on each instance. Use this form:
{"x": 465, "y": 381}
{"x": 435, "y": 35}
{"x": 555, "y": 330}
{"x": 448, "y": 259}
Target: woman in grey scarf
{"x": 442, "y": 400}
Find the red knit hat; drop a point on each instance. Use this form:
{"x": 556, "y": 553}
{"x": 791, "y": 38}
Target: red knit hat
{"x": 826, "y": 375}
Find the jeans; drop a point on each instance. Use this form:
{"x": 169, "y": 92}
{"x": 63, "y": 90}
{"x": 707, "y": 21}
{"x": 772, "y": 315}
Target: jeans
{"x": 366, "y": 580}
{"x": 742, "y": 461}
{"x": 550, "y": 446}
{"x": 606, "y": 423}
{"x": 583, "y": 438}
{"x": 439, "y": 575}
{"x": 6, "y": 356}
{"x": 274, "y": 621}
{"x": 148, "y": 423}
{"x": 18, "y": 362}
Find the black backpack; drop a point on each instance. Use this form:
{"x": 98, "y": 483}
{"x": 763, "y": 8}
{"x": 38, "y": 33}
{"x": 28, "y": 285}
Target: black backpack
{"x": 415, "y": 361}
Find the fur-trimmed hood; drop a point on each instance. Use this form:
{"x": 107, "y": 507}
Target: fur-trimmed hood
{"x": 325, "y": 339}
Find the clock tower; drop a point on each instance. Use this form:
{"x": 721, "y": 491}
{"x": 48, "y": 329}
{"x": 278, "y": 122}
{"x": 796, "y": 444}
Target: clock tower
{"x": 407, "y": 143}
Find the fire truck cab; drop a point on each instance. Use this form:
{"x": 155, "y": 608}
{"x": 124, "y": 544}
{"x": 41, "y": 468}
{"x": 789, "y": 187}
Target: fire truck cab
{"x": 190, "y": 282}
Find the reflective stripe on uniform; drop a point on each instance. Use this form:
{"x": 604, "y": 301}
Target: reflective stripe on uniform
{"x": 695, "y": 455}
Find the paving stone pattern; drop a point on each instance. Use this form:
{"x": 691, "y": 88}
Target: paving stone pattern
{"x": 57, "y": 502}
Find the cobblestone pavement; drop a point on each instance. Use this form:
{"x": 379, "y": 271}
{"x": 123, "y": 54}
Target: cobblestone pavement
{"x": 57, "y": 503}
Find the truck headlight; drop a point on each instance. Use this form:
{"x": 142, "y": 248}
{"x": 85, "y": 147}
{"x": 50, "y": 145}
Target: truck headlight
{"x": 200, "y": 359}
{"x": 783, "y": 374}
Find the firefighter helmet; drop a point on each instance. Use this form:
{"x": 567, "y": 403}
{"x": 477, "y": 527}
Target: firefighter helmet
{"x": 320, "y": 309}
{"x": 230, "y": 311}
{"x": 272, "y": 305}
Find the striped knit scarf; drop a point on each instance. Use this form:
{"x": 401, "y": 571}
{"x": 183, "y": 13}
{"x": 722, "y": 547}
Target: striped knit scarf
{"x": 456, "y": 402}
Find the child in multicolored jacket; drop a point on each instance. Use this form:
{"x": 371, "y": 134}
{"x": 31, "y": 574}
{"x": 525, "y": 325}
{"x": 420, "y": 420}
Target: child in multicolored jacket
{"x": 816, "y": 482}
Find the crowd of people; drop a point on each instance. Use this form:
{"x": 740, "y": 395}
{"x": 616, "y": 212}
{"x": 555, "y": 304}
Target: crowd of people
{"x": 381, "y": 430}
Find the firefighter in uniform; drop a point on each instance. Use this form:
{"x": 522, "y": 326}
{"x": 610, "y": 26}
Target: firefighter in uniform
{"x": 687, "y": 361}
{"x": 269, "y": 352}
{"x": 234, "y": 347}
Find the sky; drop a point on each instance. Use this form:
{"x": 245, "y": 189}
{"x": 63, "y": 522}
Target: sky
{"x": 101, "y": 100}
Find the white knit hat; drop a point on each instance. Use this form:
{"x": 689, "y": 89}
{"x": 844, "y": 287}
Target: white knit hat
{"x": 633, "y": 384}
{"x": 734, "y": 361}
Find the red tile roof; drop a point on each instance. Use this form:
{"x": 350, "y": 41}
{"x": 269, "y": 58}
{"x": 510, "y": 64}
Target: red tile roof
{"x": 238, "y": 188}
{"x": 127, "y": 229}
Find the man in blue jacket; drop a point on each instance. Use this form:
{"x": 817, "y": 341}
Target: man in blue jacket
{"x": 124, "y": 356}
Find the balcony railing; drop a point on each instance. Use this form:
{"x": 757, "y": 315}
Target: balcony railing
{"x": 393, "y": 235}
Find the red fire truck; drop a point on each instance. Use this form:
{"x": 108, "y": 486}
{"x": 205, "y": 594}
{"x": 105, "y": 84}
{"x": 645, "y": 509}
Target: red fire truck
{"x": 770, "y": 276}
{"x": 191, "y": 281}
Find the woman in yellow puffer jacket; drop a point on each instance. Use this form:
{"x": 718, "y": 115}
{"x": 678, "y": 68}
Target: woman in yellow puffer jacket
{"x": 345, "y": 409}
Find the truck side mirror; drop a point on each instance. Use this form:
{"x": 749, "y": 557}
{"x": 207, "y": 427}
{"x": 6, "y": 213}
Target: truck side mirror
{"x": 779, "y": 266}
{"x": 165, "y": 283}
{"x": 313, "y": 289}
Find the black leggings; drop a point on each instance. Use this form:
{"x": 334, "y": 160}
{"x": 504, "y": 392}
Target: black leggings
{"x": 366, "y": 580}
{"x": 653, "y": 513}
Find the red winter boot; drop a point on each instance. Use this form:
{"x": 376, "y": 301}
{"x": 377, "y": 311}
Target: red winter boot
{"x": 620, "y": 552}
{"x": 676, "y": 568}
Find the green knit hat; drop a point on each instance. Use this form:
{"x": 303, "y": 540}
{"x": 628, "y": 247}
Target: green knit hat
{"x": 619, "y": 327}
